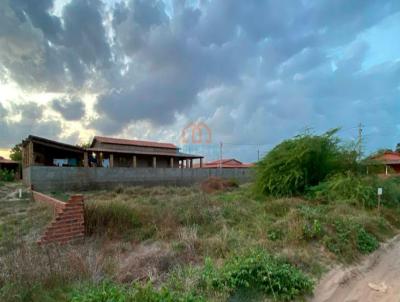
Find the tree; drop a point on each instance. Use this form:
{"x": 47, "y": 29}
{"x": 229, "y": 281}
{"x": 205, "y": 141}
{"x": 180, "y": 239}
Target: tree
{"x": 16, "y": 153}
{"x": 302, "y": 162}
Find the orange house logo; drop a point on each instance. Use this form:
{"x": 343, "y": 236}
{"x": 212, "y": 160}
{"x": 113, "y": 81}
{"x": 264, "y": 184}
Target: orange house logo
{"x": 193, "y": 133}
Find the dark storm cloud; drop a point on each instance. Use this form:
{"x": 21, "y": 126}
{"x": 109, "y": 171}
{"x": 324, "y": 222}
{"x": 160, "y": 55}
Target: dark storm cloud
{"x": 44, "y": 52}
{"x": 220, "y": 43}
{"x": 70, "y": 109}
{"x": 241, "y": 66}
{"x": 13, "y": 132}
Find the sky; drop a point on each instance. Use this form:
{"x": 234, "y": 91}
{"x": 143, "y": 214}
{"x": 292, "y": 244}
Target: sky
{"x": 254, "y": 72}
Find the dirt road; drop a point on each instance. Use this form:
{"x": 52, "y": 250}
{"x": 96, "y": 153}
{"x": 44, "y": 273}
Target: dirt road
{"x": 376, "y": 279}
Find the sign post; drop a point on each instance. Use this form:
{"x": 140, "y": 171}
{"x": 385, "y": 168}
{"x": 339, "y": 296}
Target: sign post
{"x": 380, "y": 192}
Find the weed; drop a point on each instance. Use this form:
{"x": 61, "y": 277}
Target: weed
{"x": 366, "y": 243}
{"x": 260, "y": 271}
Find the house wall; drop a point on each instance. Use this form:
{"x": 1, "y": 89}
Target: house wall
{"x": 78, "y": 178}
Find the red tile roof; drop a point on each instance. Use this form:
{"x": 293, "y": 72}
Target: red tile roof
{"x": 120, "y": 141}
{"x": 226, "y": 163}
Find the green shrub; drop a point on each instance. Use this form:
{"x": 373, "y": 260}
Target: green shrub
{"x": 262, "y": 272}
{"x": 7, "y": 175}
{"x": 301, "y": 162}
{"x": 348, "y": 238}
{"x": 366, "y": 243}
{"x": 356, "y": 189}
{"x": 112, "y": 218}
{"x": 108, "y": 291}
{"x": 346, "y": 187}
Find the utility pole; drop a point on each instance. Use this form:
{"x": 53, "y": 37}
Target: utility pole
{"x": 220, "y": 155}
{"x": 258, "y": 154}
{"x": 359, "y": 142}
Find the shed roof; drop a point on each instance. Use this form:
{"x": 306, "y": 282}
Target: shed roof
{"x": 176, "y": 154}
{"x": 51, "y": 143}
{"x": 7, "y": 161}
{"x": 130, "y": 142}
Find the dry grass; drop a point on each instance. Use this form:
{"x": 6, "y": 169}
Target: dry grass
{"x": 164, "y": 234}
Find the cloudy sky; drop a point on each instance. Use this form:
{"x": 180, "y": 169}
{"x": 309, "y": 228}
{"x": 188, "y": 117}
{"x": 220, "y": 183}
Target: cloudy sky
{"x": 254, "y": 71}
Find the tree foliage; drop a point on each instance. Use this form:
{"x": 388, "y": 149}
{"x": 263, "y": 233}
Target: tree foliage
{"x": 301, "y": 162}
{"x": 16, "y": 153}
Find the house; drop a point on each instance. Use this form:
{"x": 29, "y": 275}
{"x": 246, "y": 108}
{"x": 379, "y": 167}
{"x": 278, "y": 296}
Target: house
{"x": 226, "y": 164}
{"x": 7, "y": 164}
{"x": 105, "y": 152}
{"x": 386, "y": 162}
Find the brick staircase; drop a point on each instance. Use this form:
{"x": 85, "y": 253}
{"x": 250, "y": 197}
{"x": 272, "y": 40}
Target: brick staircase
{"x": 68, "y": 224}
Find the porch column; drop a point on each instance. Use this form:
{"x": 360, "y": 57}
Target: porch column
{"x": 187, "y": 163}
{"x": 154, "y": 162}
{"x": 201, "y": 163}
{"x": 386, "y": 170}
{"x": 111, "y": 160}
{"x": 31, "y": 160}
{"x": 171, "y": 162}
{"x": 134, "y": 161}
{"x": 85, "y": 159}
{"x": 191, "y": 163}
{"x": 181, "y": 163}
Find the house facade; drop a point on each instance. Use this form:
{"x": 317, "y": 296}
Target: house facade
{"x": 386, "y": 163}
{"x": 105, "y": 152}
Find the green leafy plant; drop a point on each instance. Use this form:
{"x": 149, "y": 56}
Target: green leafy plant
{"x": 108, "y": 291}
{"x": 366, "y": 243}
{"x": 260, "y": 271}
{"x": 6, "y": 175}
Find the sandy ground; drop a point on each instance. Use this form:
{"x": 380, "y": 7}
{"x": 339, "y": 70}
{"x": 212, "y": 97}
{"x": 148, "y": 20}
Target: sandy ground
{"x": 377, "y": 278}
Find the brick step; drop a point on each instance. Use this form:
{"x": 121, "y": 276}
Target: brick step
{"x": 69, "y": 215}
{"x": 64, "y": 228}
{"x": 62, "y": 235}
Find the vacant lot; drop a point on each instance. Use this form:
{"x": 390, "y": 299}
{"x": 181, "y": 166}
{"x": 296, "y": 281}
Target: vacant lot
{"x": 190, "y": 245}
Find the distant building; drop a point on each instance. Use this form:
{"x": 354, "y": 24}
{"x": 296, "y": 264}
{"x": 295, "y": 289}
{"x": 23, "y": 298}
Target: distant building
{"x": 105, "y": 152}
{"x": 389, "y": 161}
{"x": 8, "y": 164}
{"x": 226, "y": 164}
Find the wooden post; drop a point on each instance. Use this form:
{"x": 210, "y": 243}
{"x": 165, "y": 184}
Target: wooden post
{"x": 134, "y": 161}
{"x": 171, "y": 162}
{"x": 201, "y": 163}
{"x": 386, "y": 170}
{"x": 31, "y": 159}
{"x": 85, "y": 159}
{"x": 191, "y": 163}
{"x": 187, "y": 163}
{"x": 111, "y": 160}
{"x": 154, "y": 162}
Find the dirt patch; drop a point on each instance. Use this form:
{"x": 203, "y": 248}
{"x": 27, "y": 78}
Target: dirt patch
{"x": 375, "y": 279}
{"x": 216, "y": 184}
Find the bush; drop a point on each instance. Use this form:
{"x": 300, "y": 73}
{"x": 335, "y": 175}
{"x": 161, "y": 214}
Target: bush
{"x": 349, "y": 237}
{"x": 345, "y": 187}
{"x": 6, "y": 175}
{"x": 112, "y": 218}
{"x": 361, "y": 190}
{"x": 304, "y": 161}
{"x": 366, "y": 243}
{"x": 260, "y": 271}
{"x": 108, "y": 291}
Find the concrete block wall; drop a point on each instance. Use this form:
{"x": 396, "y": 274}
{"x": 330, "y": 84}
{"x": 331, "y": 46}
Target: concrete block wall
{"x": 44, "y": 178}
{"x": 68, "y": 223}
